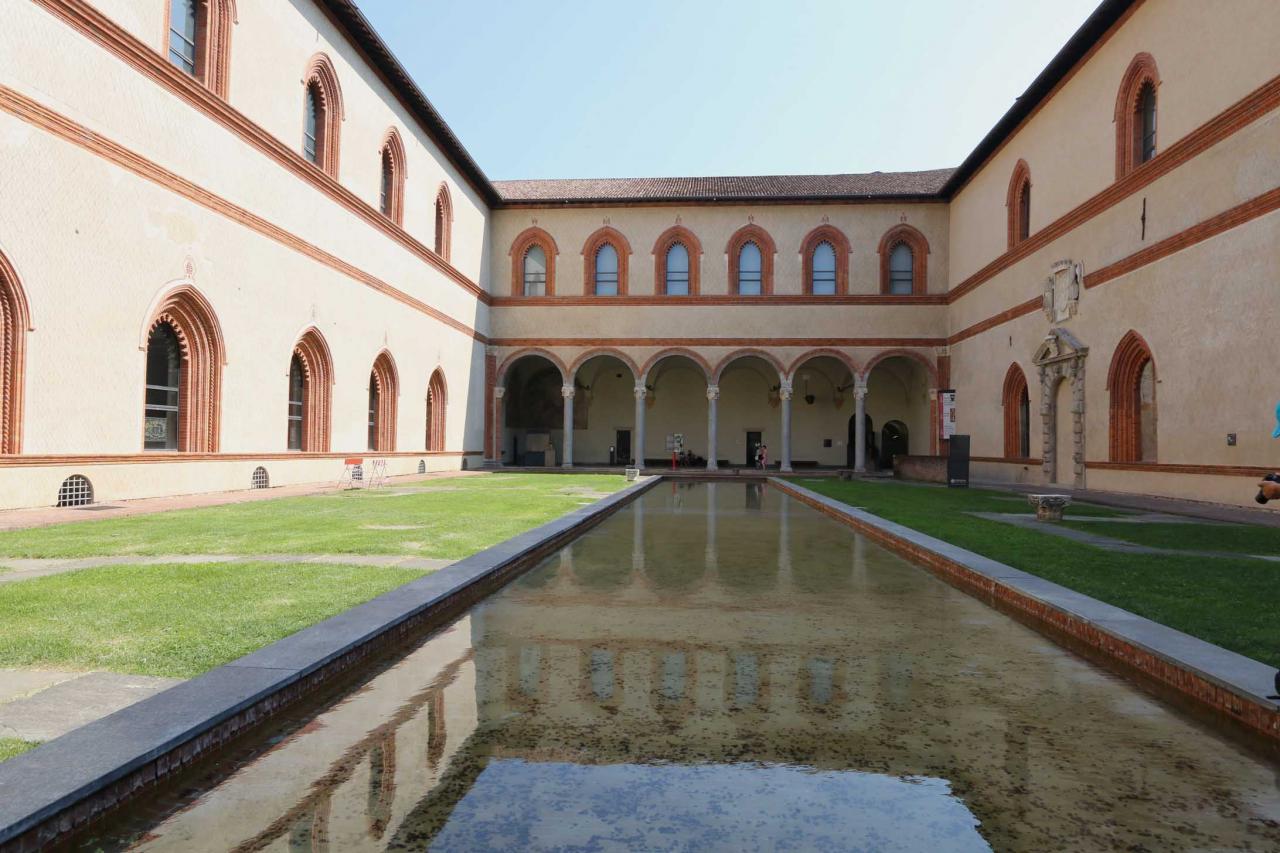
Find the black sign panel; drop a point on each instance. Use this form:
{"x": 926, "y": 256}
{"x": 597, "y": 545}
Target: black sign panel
{"x": 958, "y": 462}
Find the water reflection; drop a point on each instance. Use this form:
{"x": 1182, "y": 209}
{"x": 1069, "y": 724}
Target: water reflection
{"x": 720, "y": 666}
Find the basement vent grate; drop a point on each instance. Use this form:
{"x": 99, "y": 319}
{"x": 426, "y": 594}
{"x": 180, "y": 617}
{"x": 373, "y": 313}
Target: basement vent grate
{"x": 260, "y": 479}
{"x": 76, "y": 490}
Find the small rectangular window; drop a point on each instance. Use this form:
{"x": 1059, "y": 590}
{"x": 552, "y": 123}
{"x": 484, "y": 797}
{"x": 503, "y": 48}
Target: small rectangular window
{"x": 182, "y": 35}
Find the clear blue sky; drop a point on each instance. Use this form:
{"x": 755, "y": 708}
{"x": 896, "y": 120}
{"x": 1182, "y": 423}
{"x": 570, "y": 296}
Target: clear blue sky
{"x": 576, "y": 89}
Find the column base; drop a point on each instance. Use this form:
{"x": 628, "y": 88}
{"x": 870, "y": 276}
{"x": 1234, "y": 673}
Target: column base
{"x": 711, "y": 466}
{"x": 566, "y": 464}
{"x": 785, "y": 469}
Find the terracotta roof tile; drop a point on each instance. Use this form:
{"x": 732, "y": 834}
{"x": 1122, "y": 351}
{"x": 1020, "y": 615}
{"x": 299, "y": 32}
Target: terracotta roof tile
{"x": 745, "y": 188}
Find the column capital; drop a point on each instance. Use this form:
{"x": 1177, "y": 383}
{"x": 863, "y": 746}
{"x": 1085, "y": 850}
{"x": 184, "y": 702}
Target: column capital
{"x": 784, "y": 389}
{"x": 567, "y": 390}
{"x": 498, "y": 391}
{"x": 641, "y": 391}
{"x": 860, "y": 389}
{"x": 713, "y": 392}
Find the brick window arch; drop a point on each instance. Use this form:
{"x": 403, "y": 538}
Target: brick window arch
{"x": 1016, "y": 401}
{"x": 526, "y": 278}
{"x": 444, "y": 221}
{"x": 1135, "y": 115}
{"x": 833, "y": 279}
{"x": 437, "y": 403}
{"x": 906, "y": 267}
{"x": 384, "y": 392}
{"x": 601, "y": 275}
{"x": 1018, "y": 203}
{"x": 199, "y": 40}
{"x": 185, "y": 354}
{"x": 322, "y": 112}
{"x": 310, "y": 403}
{"x": 15, "y": 322}
{"x": 738, "y": 252}
{"x": 668, "y": 278}
{"x": 1131, "y": 381}
{"x": 391, "y": 177}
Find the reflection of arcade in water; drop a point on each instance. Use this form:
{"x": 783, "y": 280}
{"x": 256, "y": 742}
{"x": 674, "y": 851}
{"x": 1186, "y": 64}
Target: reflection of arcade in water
{"x": 720, "y": 665}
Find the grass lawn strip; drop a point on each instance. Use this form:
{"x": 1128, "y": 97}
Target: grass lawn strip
{"x": 174, "y": 620}
{"x": 11, "y": 747}
{"x": 443, "y": 519}
{"x": 1228, "y": 602}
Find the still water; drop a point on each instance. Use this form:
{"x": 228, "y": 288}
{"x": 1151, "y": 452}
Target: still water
{"x": 719, "y": 667}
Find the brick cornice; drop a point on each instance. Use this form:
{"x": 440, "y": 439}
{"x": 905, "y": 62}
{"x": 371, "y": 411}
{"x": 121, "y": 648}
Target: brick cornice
{"x": 125, "y": 46}
{"x": 77, "y": 134}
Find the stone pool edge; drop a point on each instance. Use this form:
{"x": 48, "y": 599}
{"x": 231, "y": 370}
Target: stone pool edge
{"x": 65, "y": 784}
{"x": 1222, "y": 682}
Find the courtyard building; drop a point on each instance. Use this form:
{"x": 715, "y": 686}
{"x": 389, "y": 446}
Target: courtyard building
{"x": 239, "y": 246}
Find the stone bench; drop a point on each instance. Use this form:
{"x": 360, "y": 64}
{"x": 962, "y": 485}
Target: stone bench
{"x": 1049, "y": 507}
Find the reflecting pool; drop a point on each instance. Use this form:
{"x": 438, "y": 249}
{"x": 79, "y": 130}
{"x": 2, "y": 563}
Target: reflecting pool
{"x": 719, "y": 667}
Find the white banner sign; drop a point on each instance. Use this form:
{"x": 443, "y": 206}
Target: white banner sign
{"x": 947, "y": 399}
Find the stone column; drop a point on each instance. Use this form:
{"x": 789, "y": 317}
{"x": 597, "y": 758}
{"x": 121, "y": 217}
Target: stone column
{"x": 566, "y": 391}
{"x": 498, "y": 410}
{"x": 860, "y": 426}
{"x": 784, "y": 394}
{"x": 713, "y": 394}
{"x": 637, "y": 438}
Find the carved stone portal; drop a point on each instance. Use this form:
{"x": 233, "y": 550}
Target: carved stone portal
{"x": 1061, "y": 357}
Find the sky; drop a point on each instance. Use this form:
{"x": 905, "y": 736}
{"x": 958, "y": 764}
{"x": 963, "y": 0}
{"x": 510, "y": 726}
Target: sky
{"x": 578, "y": 89}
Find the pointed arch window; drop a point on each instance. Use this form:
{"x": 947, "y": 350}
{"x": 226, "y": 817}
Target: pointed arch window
{"x": 321, "y": 113}
{"x": 1017, "y": 414}
{"x": 437, "y": 401}
{"x": 310, "y": 384}
{"x": 825, "y": 253}
{"x": 1131, "y": 382}
{"x": 750, "y": 270}
{"x": 750, "y": 253}
{"x": 164, "y": 393}
{"x": 297, "y": 394}
{"x": 1135, "y": 114}
{"x": 901, "y": 269}
{"x": 391, "y": 189}
{"x": 533, "y": 263}
{"x": 1018, "y": 203}
{"x": 444, "y": 222}
{"x": 823, "y": 278}
{"x": 535, "y": 272}
{"x": 904, "y": 254}
{"x": 607, "y": 270}
{"x": 199, "y": 40}
{"x": 183, "y": 375}
{"x": 14, "y": 324}
{"x": 383, "y": 394}
{"x": 676, "y": 256}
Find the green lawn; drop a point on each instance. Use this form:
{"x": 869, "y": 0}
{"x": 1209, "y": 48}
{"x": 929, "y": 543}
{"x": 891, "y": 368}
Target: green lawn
{"x": 446, "y": 518}
{"x": 174, "y": 620}
{"x": 10, "y": 747}
{"x": 1233, "y": 538}
{"x": 1227, "y": 601}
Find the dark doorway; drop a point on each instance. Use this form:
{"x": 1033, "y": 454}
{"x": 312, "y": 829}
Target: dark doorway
{"x": 893, "y": 442}
{"x": 753, "y": 442}
{"x": 622, "y": 443}
{"x": 851, "y": 447}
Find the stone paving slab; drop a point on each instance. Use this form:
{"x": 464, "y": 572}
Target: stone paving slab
{"x": 71, "y": 703}
{"x": 1201, "y": 510}
{"x": 20, "y": 683}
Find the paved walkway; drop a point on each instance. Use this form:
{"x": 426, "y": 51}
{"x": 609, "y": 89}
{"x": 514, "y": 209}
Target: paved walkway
{"x": 21, "y": 569}
{"x": 41, "y": 704}
{"x": 1149, "y": 503}
{"x": 1108, "y": 543}
{"x": 17, "y": 519}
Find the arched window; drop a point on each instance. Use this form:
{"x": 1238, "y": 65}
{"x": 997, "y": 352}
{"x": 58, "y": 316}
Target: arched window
{"x": 677, "y": 270}
{"x": 391, "y": 192}
{"x": 1017, "y": 415}
{"x": 1018, "y": 203}
{"x": 607, "y": 270}
{"x": 310, "y": 384}
{"x": 383, "y": 394}
{"x": 676, "y": 256}
{"x": 1132, "y": 384}
{"x": 321, "y": 112}
{"x": 1135, "y": 114}
{"x": 200, "y": 40}
{"x": 901, "y": 269}
{"x": 533, "y": 263}
{"x": 825, "y": 254}
{"x": 750, "y": 253}
{"x": 164, "y": 362}
{"x": 535, "y": 272}
{"x": 823, "y": 281}
{"x": 904, "y": 254}
{"x": 183, "y": 382}
{"x": 14, "y": 324}
{"x": 437, "y": 400}
{"x": 444, "y": 222}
